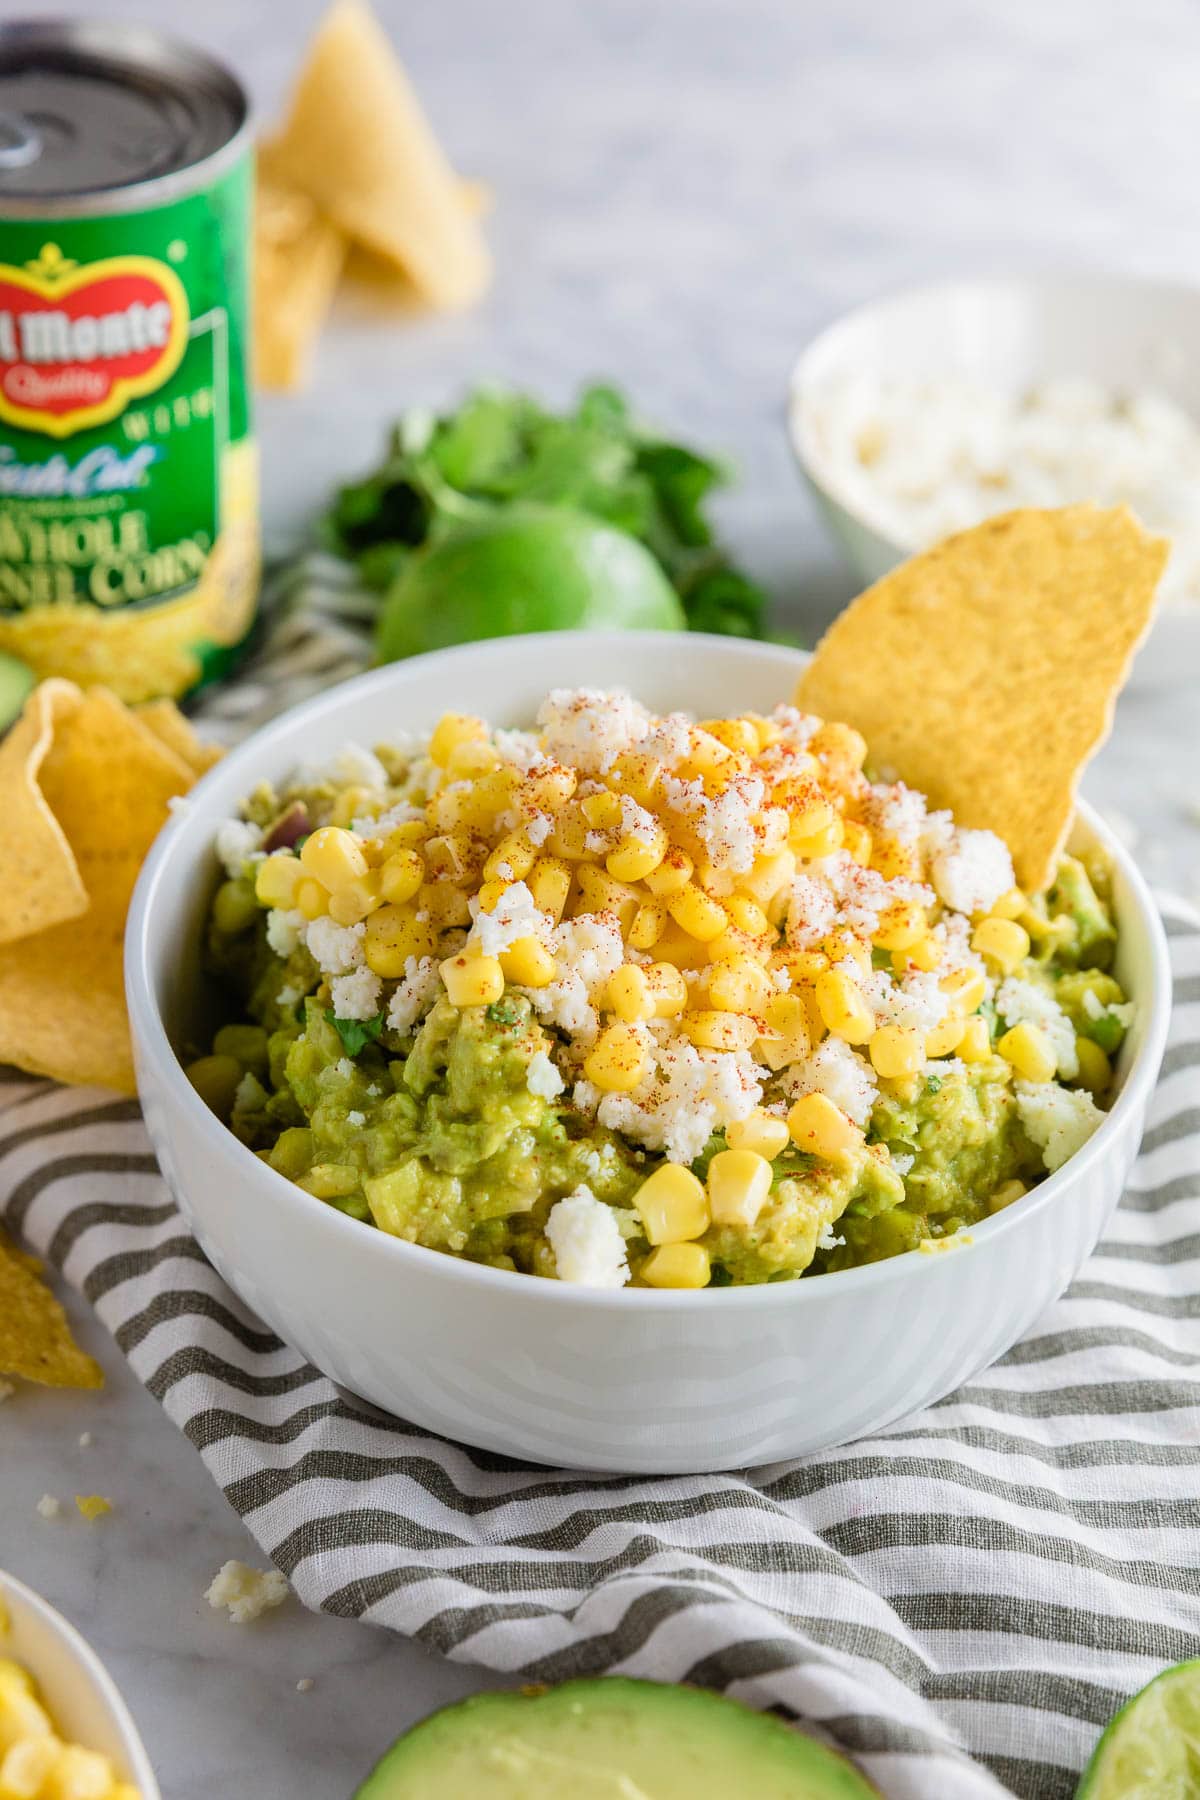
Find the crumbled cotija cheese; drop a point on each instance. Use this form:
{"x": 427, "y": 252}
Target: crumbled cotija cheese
{"x": 1059, "y": 1120}
{"x": 515, "y": 915}
{"x": 415, "y": 994}
{"x": 841, "y": 1074}
{"x": 356, "y": 996}
{"x": 542, "y": 1078}
{"x": 972, "y": 871}
{"x": 246, "y": 1593}
{"x": 589, "y": 727}
{"x": 336, "y": 949}
{"x": 237, "y": 841}
{"x": 921, "y": 457}
{"x": 586, "y": 1240}
{"x": 284, "y": 931}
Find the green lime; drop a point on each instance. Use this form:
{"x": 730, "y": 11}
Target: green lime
{"x": 17, "y": 682}
{"x": 529, "y": 568}
{"x": 1151, "y": 1750}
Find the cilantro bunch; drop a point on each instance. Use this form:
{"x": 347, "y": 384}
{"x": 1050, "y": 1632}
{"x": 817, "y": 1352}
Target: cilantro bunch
{"x": 503, "y": 450}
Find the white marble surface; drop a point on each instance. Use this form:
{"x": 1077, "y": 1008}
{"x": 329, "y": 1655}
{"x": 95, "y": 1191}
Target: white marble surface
{"x": 685, "y": 190}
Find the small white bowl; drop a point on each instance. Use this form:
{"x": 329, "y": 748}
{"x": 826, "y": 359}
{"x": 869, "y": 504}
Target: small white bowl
{"x": 628, "y": 1380}
{"x": 79, "y": 1693}
{"x": 1008, "y": 332}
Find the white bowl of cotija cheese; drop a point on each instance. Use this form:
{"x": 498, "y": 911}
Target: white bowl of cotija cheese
{"x": 919, "y": 414}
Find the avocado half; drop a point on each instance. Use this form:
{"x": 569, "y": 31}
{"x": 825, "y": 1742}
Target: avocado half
{"x": 609, "y": 1739}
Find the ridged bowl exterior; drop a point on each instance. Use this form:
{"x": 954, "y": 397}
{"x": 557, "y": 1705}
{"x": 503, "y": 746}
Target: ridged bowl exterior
{"x": 631, "y": 1380}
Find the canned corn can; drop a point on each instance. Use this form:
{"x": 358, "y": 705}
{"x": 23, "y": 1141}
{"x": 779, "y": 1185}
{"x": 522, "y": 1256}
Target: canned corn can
{"x": 129, "y": 531}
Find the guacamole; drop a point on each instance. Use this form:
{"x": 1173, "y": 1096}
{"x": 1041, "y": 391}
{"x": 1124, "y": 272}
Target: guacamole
{"x": 441, "y": 1022}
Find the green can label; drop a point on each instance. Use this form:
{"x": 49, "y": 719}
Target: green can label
{"x": 129, "y": 538}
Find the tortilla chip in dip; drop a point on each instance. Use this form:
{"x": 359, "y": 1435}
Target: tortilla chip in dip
{"x": 985, "y": 671}
{"x": 357, "y": 142}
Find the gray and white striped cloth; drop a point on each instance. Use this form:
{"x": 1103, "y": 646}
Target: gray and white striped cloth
{"x": 961, "y": 1602}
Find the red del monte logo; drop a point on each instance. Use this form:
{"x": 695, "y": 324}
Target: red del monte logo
{"x": 77, "y": 343}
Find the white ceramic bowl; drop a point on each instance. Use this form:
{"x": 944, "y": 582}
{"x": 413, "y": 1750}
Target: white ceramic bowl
{"x": 1006, "y": 331}
{"x": 79, "y": 1692}
{"x": 626, "y": 1380}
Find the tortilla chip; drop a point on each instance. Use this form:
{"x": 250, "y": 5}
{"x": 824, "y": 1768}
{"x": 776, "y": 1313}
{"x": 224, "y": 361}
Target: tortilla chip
{"x": 35, "y": 1338}
{"x": 43, "y": 885}
{"x": 298, "y": 259}
{"x": 985, "y": 671}
{"x": 176, "y": 731}
{"x": 357, "y": 142}
{"x": 107, "y": 780}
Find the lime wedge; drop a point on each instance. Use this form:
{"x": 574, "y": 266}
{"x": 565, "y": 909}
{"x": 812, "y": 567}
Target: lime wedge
{"x": 1151, "y": 1750}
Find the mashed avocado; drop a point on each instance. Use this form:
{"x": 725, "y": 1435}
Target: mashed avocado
{"x": 478, "y": 995}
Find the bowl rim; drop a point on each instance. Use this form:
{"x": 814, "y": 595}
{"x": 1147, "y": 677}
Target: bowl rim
{"x": 822, "y": 351}
{"x": 87, "y": 1661}
{"x": 153, "y": 1041}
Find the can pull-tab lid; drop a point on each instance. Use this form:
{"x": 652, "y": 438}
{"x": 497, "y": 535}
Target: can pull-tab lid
{"x": 20, "y": 141}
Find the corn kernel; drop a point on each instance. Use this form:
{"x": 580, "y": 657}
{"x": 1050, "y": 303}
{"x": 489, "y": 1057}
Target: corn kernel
{"x": 1029, "y": 1051}
{"x": 330, "y": 1180}
{"x": 731, "y": 943}
{"x": 842, "y": 945}
{"x": 1002, "y": 941}
{"x": 944, "y": 1038}
{"x": 760, "y": 1132}
{"x": 1010, "y": 905}
{"x": 812, "y": 846}
{"x": 818, "y": 1127}
{"x": 735, "y": 734}
{"x": 710, "y": 1030}
{"x": 647, "y": 927}
{"x": 697, "y": 913}
{"x": 401, "y": 875}
{"x": 277, "y": 878}
{"x": 675, "y": 946}
{"x": 628, "y": 995}
{"x": 747, "y": 915}
{"x": 842, "y": 1006}
{"x": 29, "y": 1764}
{"x": 512, "y": 858}
{"x": 569, "y": 837}
{"x": 393, "y": 934}
{"x": 636, "y": 773}
{"x": 901, "y": 925}
{"x": 452, "y": 856}
{"x": 706, "y": 756}
{"x": 469, "y": 762}
{"x": 472, "y": 980}
{"x": 617, "y": 1060}
{"x": 809, "y": 811}
{"x": 409, "y": 835}
{"x": 311, "y": 898}
{"x": 767, "y": 730}
{"x": 672, "y": 1205}
{"x": 895, "y": 1051}
{"x": 975, "y": 1044}
{"x": 739, "y": 985}
{"x": 769, "y": 876}
{"x": 803, "y": 965}
{"x": 549, "y": 882}
{"x": 896, "y": 861}
{"x": 355, "y": 900}
{"x": 1095, "y": 1070}
{"x": 634, "y": 858}
{"x": 672, "y": 874}
{"x": 601, "y": 892}
{"x": 786, "y": 1036}
{"x": 667, "y": 988}
{"x": 216, "y": 1079}
{"x": 355, "y": 802}
{"x": 677, "y": 1266}
{"x": 546, "y": 789}
{"x": 451, "y": 730}
{"x": 841, "y": 743}
{"x": 1005, "y": 1194}
{"x": 445, "y": 906}
{"x": 856, "y": 841}
{"x": 738, "y": 1184}
{"x": 602, "y": 811}
{"x": 333, "y": 856}
{"x": 528, "y": 963}
{"x": 925, "y": 954}
{"x": 234, "y": 908}
{"x": 967, "y": 989}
